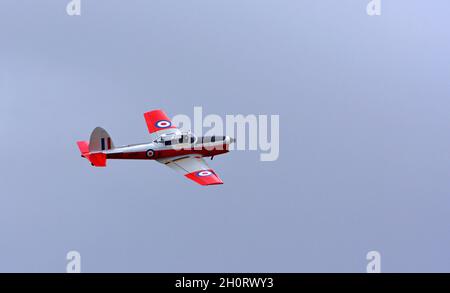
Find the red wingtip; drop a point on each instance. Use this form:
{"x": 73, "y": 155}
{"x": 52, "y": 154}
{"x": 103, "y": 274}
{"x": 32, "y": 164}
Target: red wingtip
{"x": 205, "y": 177}
{"x": 157, "y": 120}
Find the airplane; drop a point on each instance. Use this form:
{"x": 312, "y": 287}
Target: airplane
{"x": 181, "y": 151}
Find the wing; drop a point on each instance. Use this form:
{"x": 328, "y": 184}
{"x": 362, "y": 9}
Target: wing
{"x": 158, "y": 123}
{"x": 193, "y": 167}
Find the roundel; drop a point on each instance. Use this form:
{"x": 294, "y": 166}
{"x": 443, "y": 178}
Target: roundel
{"x": 204, "y": 173}
{"x": 150, "y": 153}
{"x": 163, "y": 124}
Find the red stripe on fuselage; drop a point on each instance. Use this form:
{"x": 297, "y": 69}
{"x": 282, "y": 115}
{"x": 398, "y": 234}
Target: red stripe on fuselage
{"x": 158, "y": 154}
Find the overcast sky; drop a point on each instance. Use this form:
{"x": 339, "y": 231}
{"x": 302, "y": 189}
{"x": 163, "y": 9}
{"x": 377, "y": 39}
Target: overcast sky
{"x": 364, "y": 135}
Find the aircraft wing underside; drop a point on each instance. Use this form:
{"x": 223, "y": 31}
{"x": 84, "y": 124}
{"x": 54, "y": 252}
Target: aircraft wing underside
{"x": 193, "y": 167}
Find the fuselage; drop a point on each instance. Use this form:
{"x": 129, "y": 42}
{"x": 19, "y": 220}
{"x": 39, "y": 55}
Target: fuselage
{"x": 203, "y": 146}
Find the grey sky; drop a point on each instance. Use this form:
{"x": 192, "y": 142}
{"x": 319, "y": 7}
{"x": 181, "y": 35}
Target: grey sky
{"x": 364, "y": 149}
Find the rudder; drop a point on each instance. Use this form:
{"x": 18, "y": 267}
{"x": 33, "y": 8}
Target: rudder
{"x": 100, "y": 141}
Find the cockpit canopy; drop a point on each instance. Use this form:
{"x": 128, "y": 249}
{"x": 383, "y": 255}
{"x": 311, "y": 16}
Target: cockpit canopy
{"x": 177, "y": 138}
{"x": 214, "y": 138}
{"x": 187, "y": 137}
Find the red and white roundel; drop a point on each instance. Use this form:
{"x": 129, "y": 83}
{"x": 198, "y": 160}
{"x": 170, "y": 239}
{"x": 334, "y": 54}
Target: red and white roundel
{"x": 204, "y": 173}
{"x": 163, "y": 124}
{"x": 150, "y": 153}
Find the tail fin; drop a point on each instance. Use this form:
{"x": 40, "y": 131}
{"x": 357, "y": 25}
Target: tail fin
{"x": 100, "y": 141}
{"x": 92, "y": 150}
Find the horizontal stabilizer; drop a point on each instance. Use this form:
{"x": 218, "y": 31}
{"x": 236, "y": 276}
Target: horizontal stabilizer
{"x": 96, "y": 159}
{"x": 83, "y": 146}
